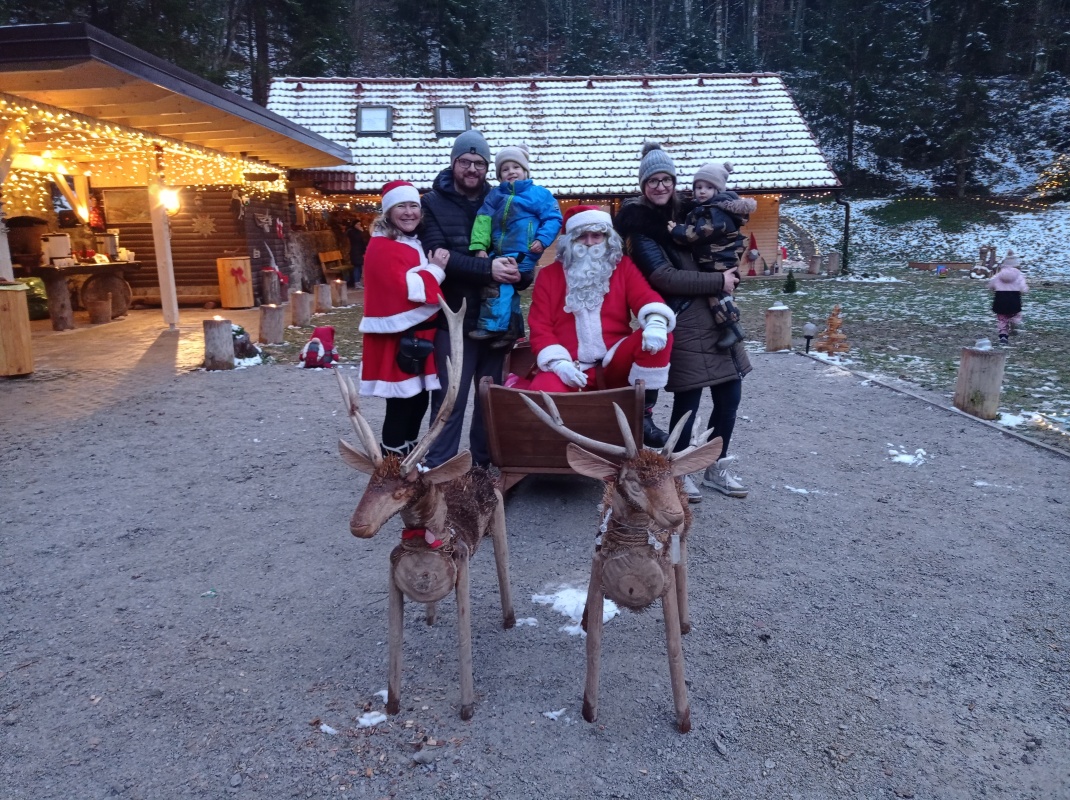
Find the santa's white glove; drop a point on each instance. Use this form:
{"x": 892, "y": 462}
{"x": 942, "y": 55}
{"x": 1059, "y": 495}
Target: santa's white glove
{"x": 569, "y": 373}
{"x": 655, "y": 333}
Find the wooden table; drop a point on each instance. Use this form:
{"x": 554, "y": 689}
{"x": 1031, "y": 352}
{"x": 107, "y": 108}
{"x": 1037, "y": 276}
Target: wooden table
{"x": 104, "y": 279}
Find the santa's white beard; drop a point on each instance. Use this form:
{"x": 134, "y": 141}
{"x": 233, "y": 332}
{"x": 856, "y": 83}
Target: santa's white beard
{"x": 587, "y": 274}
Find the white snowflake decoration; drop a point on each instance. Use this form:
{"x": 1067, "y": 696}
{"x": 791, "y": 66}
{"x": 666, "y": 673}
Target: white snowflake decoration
{"x": 204, "y": 225}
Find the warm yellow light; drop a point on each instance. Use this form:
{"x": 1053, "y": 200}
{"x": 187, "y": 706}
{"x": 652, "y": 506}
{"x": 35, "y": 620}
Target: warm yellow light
{"x": 169, "y": 200}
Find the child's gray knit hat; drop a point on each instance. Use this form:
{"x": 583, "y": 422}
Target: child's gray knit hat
{"x": 654, "y": 160}
{"x": 714, "y": 174}
{"x": 519, "y": 154}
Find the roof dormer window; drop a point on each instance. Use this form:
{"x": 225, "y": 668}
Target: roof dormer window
{"x": 451, "y": 120}
{"x": 374, "y": 120}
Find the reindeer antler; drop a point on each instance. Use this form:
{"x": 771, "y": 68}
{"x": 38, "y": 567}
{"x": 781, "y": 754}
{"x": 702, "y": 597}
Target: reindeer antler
{"x": 454, "y": 363}
{"x": 364, "y": 432}
{"x": 553, "y": 419}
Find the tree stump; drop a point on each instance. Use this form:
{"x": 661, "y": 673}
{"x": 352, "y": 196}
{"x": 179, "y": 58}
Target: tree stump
{"x": 777, "y": 328}
{"x": 99, "y": 310}
{"x": 301, "y": 308}
{"x": 834, "y": 263}
{"x": 59, "y": 303}
{"x": 815, "y": 265}
{"x": 218, "y": 344}
{"x": 339, "y": 294}
{"x": 323, "y": 298}
{"x": 980, "y": 380}
{"x": 272, "y": 324}
{"x": 270, "y": 293}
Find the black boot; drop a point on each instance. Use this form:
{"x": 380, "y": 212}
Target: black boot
{"x": 653, "y": 436}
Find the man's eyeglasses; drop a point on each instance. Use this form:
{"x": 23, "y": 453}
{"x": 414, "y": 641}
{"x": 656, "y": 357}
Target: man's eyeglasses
{"x": 655, "y": 182}
{"x": 467, "y": 164}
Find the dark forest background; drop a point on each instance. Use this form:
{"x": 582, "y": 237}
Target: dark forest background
{"x": 902, "y": 93}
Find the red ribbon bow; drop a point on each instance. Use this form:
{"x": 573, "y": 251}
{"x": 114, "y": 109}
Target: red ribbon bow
{"x": 421, "y": 533}
{"x": 239, "y": 275}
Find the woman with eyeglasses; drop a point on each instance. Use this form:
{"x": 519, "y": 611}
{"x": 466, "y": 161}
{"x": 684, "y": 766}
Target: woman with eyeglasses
{"x": 696, "y": 361}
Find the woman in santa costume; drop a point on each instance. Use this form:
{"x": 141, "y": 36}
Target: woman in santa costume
{"x": 401, "y": 292}
{"x": 581, "y": 311}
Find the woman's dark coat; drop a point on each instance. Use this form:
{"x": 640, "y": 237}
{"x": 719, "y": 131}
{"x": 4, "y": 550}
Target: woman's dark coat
{"x": 672, "y": 271}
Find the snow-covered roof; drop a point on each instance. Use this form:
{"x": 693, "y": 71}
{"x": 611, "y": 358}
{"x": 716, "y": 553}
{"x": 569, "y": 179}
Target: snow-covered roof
{"x": 584, "y": 133}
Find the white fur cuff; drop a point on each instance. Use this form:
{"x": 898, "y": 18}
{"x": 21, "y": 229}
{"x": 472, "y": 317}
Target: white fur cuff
{"x": 653, "y": 377}
{"x": 657, "y": 308}
{"x": 547, "y": 355}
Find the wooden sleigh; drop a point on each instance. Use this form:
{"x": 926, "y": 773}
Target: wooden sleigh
{"x": 521, "y": 445}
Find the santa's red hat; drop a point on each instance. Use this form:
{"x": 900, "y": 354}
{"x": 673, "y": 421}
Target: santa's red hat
{"x": 578, "y": 216}
{"x": 398, "y": 192}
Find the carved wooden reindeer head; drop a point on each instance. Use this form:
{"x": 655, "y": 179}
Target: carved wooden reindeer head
{"x": 395, "y": 484}
{"x": 643, "y": 481}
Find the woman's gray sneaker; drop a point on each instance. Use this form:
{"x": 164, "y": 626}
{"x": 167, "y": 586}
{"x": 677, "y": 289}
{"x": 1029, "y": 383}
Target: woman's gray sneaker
{"x": 694, "y": 494}
{"x": 717, "y": 477}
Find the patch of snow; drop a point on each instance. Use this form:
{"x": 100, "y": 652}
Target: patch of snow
{"x": 553, "y": 714}
{"x": 327, "y": 729}
{"x": 916, "y": 459}
{"x": 797, "y": 491}
{"x": 530, "y": 621}
{"x": 371, "y": 719}
{"x": 569, "y": 600}
{"x": 382, "y": 694}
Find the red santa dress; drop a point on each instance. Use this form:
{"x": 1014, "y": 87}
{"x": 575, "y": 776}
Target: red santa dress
{"x": 597, "y": 336}
{"x": 401, "y": 289}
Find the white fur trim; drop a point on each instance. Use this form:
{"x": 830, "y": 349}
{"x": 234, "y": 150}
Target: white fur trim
{"x": 396, "y": 323}
{"x": 410, "y": 387}
{"x": 655, "y": 377}
{"x": 416, "y": 245}
{"x": 593, "y": 217}
{"x": 591, "y": 345}
{"x": 657, "y": 308}
{"x": 612, "y": 352}
{"x": 400, "y": 194}
{"x": 547, "y": 355}
{"x": 417, "y": 289}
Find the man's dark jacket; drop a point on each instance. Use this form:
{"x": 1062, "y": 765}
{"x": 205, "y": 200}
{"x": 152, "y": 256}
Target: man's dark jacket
{"x": 448, "y": 220}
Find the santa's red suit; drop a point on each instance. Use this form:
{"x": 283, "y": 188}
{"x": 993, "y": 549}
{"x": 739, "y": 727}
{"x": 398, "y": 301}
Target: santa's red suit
{"x": 401, "y": 289}
{"x": 600, "y": 335}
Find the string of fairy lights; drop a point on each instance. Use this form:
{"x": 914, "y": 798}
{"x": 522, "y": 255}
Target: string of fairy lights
{"x": 122, "y": 156}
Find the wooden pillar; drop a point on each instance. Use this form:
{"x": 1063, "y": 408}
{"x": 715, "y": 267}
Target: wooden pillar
{"x": 218, "y": 344}
{"x": 339, "y": 294}
{"x": 16, "y": 347}
{"x": 834, "y": 263}
{"x": 99, "y": 310}
{"x": 301, "y": 305}
{"x": 815, "y": 265}
{"x": 323, "y": 298}
{"x": 272, "y": 324}
{"x": 777, "y": 328}
{"x": 980, "y": 380}
{"x": 161, "y": 241}
{"x": 10, "y": 144}
{"x": 59, "y": 303}
{"x": 269, "y": 288}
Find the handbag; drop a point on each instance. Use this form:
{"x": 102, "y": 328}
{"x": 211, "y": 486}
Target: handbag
{"x": 413, "y": 352}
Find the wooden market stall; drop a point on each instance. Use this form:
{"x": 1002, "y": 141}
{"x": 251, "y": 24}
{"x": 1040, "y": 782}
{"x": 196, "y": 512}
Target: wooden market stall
{"x": 159, "y": 171}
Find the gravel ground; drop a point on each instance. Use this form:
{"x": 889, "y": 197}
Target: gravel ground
{"x": 183, "y": 608}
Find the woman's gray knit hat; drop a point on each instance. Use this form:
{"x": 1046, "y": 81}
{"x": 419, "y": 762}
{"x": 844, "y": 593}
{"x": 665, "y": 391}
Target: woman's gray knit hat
{"x": 654, "y": 160}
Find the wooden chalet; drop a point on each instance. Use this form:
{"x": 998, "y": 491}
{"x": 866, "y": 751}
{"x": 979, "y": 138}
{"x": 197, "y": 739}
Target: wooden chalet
{"x": 183, "y": 171}
{"x": 585, "y": 134}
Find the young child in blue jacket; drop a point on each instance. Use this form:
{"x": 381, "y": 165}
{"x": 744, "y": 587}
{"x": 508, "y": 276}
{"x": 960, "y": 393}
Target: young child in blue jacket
{"x": 517, "y": 219}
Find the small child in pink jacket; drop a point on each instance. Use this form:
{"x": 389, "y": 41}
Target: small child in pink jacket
{"x": 1009, "y": 285}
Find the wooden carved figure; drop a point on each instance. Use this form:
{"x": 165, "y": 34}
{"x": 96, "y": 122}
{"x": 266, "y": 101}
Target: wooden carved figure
{"x": 641, "y": 551}
{"x": 455, "y": 502}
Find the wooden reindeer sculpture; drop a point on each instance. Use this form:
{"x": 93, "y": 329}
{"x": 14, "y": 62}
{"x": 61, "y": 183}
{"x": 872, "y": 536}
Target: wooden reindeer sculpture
{"x": 641, "y": 551}
{"x": 454, "y": 501}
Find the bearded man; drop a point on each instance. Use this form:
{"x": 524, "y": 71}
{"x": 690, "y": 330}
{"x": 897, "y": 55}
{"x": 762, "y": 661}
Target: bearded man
{"x": 580, "y": 317}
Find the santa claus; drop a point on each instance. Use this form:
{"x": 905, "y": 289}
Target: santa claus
{"x": 581, "y": 312}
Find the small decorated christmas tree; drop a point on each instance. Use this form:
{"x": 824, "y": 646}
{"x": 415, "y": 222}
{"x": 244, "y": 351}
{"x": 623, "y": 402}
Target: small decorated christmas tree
{"x": 790, "y": 286}
{"x": 832, "y": 340}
